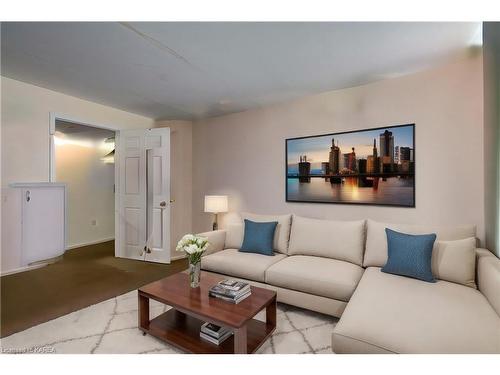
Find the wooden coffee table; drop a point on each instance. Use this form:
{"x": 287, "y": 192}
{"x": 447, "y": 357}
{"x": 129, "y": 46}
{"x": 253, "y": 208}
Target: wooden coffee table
{"x": 191, "y": 307}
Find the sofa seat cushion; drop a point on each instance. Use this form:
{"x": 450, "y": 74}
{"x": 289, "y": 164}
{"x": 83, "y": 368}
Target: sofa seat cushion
{"x": 319, "y": 276}
{"x": 235, "y": 263}
{"x": 389, "y": 313}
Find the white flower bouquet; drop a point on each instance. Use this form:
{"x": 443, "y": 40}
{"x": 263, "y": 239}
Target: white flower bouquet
{"x": 194, "y": 247}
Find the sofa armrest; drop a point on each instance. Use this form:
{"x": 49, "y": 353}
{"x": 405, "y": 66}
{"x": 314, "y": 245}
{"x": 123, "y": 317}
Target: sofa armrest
{"x": 488, "y": 277}
{"x": 217, "y": 240}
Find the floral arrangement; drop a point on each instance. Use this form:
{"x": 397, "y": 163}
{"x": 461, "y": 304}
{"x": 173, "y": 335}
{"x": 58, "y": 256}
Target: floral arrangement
{"x": 193, "y": 246}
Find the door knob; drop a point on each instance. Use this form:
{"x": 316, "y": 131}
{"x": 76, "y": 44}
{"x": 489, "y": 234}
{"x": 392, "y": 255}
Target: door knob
{"x": 163, "y": 204}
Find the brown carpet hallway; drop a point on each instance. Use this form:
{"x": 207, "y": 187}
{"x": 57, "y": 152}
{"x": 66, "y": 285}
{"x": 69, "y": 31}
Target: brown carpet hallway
{"x": 83, "y": 277}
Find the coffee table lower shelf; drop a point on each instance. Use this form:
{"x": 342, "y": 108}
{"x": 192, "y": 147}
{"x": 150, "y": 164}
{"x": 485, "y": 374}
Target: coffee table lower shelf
{"x": 183, "y": 331}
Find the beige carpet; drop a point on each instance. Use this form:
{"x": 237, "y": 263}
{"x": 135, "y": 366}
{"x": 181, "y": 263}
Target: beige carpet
{"x": 111, "y": 327}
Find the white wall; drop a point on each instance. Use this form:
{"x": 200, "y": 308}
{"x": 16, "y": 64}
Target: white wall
{"x": 181, "y": 164}
{"x": 25, "y": 132}
{"x": 242, "y": 155}
{"x": 25, "y": 126}
{"x": 90, "y": 184}
{"x": 25, "y": 141}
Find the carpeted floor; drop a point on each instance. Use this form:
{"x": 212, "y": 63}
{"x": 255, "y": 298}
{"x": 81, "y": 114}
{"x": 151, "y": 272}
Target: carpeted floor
{"x": 84, "y": 277}
{"x": 111, "y": 327}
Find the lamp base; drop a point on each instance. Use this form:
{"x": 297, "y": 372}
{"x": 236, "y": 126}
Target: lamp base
{"x": 215, "y": 226}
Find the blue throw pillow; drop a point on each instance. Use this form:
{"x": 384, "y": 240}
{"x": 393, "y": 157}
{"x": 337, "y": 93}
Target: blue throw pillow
{"x": 258, "y": 237}
{"x": 410, "y": 255}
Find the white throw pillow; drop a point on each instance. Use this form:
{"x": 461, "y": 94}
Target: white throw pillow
{"x": 342, "y": 240}
{"x": 455, "y": 261}
{"x": 282, "y": 232}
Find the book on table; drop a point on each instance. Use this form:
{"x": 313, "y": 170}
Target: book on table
{"x": 231, "y": 290}
{"x": 234, "y": 300}
{"x": 234, "y": 285}
{"x": 214, "y": 333}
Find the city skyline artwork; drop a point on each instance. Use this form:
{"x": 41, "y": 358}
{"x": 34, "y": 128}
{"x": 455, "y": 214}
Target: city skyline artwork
{"x": 372, "y": 166}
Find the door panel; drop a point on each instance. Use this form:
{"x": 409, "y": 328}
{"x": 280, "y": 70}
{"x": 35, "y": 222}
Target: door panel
{"x": 154, "y": 141}
{"x": 132, "y": 179}
{"x": 132, "y": 225}
{"x": 143, "y": 195}
{"x": 158, "y": 164}
{"x": 131, "y": 209}
{"x": 157, "y": 241}
{"x": 157, "y": 175}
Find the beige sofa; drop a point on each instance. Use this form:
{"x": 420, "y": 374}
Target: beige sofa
{"x": 333, "y": 267}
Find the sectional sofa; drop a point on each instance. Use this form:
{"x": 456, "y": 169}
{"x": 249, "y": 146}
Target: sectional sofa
{"x": 334, "y": 267}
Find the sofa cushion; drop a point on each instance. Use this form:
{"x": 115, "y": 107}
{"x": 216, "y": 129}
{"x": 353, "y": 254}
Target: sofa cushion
{"x": 376, "y": 241}
{"x": 216, "y": 240}
{"x": 282, "y": 233}
{"x": 455, "y": 261}
{"x": 410, "y": 255}
{"x": 397, "y": 314}
{"x": 320, "y": 276}
{"x": 234, "y": 235}
{"x": 343, "y": 240}
{"x": 235, "y": 263}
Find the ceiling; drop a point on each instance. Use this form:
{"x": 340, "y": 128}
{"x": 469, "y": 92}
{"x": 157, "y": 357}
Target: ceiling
{"x": 71, "y": 129}
{"x": 194, "y": 70}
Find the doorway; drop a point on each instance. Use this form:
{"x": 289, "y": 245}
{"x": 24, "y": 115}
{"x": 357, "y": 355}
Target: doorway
{"x": 84, "y": 161}
{"x": 118, "y": 187}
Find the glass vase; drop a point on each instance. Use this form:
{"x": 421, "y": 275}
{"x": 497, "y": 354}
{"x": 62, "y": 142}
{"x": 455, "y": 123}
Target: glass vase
{"x": 194, "y": 274}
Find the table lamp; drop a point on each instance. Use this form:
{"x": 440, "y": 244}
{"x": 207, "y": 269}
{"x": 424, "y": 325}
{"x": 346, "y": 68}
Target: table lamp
{"x": 215, "y": 204}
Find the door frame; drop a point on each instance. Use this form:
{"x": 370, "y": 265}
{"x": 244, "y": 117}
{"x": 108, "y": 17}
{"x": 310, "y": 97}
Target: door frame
{"x": 53, "y": 116}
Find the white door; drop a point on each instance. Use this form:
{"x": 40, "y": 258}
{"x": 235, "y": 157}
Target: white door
{"x": 143, "y": 195}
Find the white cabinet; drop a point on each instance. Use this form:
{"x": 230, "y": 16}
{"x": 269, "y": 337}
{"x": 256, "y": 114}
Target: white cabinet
{"x": 33, "y": 224}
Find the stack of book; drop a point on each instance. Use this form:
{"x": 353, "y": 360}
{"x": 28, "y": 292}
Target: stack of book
{"x": 214, "y": 333}
{"x": 231, "y": 291}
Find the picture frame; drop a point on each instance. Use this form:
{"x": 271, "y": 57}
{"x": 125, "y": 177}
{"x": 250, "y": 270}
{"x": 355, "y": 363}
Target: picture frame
{"x": 319, "y": 170}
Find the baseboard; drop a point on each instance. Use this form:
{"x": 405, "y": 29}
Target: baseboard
{"x": 90, "y": 243}
{"x": 26, "y": 268}
{"x": 46, "y": 262}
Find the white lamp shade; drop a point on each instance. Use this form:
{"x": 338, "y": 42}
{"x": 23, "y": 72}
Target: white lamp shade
{"x": 215, "y": 203}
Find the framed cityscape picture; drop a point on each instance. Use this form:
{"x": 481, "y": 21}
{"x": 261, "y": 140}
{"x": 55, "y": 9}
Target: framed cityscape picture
{"x": 371, "y": 166}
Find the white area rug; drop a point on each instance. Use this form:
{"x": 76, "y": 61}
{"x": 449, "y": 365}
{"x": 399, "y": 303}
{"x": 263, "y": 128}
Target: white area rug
{"x": 111, "y": 327}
